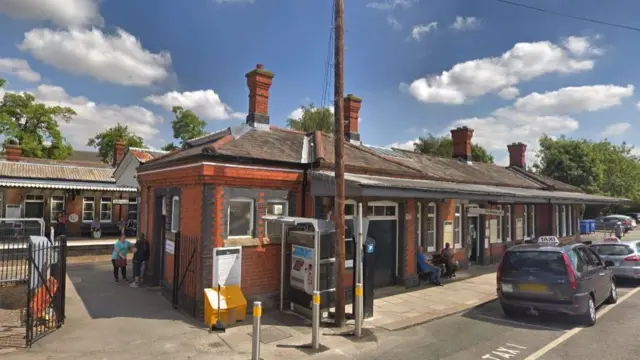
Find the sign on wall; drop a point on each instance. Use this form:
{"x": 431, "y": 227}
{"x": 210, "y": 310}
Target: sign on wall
{"x": 73, "y": 218}
{"x": 519, "y": 229}
{"x": 120, "y": 201}
{"x": 227, "y": 266}
{"x": 170, "y": 247}
{"x": 493, "y": 230}
{"x": 447, "y": 233}
{"x": 479, "y": 211}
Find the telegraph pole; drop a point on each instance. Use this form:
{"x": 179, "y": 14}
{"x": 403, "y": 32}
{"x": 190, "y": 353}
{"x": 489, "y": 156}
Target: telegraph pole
{"x": 339, "y": 161}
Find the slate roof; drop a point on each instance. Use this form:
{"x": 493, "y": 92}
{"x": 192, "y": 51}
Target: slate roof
{"x": 83, "y": 155}
{"x": 28, "y": 168}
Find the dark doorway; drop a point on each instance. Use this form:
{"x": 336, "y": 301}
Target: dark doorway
{"x": 384, "y": 232}
{"x": 34, "y": 210}
{"x": 157, "y": 242}
{"x": 473, "y": 243}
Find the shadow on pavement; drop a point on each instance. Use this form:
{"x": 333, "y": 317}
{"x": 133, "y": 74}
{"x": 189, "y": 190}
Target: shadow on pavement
{"x": 492, "y": 313}
{"x": 105, "y": 299}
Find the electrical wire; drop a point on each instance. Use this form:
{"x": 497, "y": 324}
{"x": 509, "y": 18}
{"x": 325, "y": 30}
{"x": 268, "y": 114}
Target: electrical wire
{"x": 324, "y": 99}
{"x": 619, "y": 26}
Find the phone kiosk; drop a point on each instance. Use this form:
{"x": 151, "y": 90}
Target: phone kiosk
{"x": 307, "y": 263}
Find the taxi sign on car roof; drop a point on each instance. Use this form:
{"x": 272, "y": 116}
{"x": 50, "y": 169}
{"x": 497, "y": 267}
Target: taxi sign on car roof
{"x": 548, "y": 240}
{"x": 611, "y": 239}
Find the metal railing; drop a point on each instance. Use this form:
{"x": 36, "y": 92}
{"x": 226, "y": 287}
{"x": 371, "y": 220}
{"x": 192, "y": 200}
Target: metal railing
{"x": 14, "y": 245}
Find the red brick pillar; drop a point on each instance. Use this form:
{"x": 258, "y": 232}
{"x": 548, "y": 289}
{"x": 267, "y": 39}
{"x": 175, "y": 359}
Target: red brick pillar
{"x": 409, "y": 273}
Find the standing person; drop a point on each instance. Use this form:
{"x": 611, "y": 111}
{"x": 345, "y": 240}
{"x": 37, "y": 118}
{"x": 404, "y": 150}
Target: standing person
{"x": 140, "y": 259}
{"x": 119, "y": 257}
{"x": 96, "y": 233}
{"x": 62, "y": 223}
{"x": 122, "y": 226}
{"x": 618, "y": 230}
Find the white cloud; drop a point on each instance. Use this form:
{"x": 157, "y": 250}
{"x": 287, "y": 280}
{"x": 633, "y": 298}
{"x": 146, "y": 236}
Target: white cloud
{"x": 616, "y": 129}
{"x": 407, "y": 145}
{"x": 391, "y": 4}
{"x": 93, "y": 118}
{"x": 509, "y": 93}
{"x": 419, "y": 31}
{"x": 61, "y": 12}
{"x": 474, "y": 78}
{"x": 574, "y": 99}
{"x": 393, "y": 22}
{"x": 118, "y": 58}
{"x": 581, "y": 46}
{"x": 465, "y": 23}
{"x": 19, "y": 68}
{"x": 204, "y": 103}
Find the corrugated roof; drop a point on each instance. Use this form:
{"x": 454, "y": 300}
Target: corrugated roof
{"x": 61, "y": 184}
{"x": 50, "y": 169}
{"x": 144, "y": 155}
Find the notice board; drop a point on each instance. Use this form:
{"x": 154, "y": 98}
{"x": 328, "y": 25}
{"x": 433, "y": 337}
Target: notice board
{"x": 227, "y": 266}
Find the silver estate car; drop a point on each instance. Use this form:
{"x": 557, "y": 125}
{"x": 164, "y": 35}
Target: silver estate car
{"x": 625, "y": 256}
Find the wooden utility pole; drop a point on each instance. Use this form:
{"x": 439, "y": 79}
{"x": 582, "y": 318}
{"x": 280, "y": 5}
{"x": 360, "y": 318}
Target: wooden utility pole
{"x": 339, "y": 161}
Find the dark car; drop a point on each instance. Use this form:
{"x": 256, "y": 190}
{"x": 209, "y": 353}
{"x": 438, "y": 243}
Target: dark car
{"x": 568, "y": 279}
{"x": 609, "y": 222}
{"x": 635, "y": 216}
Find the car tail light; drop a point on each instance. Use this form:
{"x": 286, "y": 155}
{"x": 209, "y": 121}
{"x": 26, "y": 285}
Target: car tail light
{"x": 499, "y": 272}
{"x": 572, "y": 275}
{"x": 635, "y": 258}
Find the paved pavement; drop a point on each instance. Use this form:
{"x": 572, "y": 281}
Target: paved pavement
{"x": 485, "y": 333}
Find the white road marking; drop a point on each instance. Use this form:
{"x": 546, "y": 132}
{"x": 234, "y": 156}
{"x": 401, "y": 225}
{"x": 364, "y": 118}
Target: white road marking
{"x": 566, "y": 336}
{"x": 518, "y": 323}
{"x": 503, "y": 352}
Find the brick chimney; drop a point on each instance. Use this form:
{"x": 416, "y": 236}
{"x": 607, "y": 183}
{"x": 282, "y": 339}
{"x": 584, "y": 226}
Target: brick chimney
{"x": 12, "y": 152}
{"x": 461, "y": 138}
{"x": 259, "y": 83}
{"x": 352, "y": 105}
{"x": 118, "y": 152}
{"x": 517, "y": 153}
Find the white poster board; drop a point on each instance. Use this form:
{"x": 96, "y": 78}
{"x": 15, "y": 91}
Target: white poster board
{"x": 169, "y": 247}
{"x": 227, "y": 266}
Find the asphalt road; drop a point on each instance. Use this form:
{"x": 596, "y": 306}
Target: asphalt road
{"x": 485, "y": 333}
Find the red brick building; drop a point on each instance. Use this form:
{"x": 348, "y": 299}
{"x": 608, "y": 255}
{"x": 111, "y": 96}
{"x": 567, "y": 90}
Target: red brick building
{"x": 220, "y": 186}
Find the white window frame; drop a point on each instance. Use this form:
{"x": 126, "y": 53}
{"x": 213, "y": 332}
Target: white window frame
{"x": 563, "y": 220}
{"x": 252, "y": 226}
{"x": 499, "y": 230}
{"x": 507, "y": 224}
{"x": 285, "y": 211}
{"x": 533, "y": 221}
{"x": 175, "y": 227}
{"x": 457, "y": 240}
{"x": 525, "y": 218}
{"x": 432, "y": 218}
{"x": 53, "y": 218}
{"x": 419, "y": 223}
{"x": 348, "y": 264}
{"x": 110, "y": 210}
{"x": 569, "y": 220}
{"x": 557, "y": 220}
{"x": 136, "y": 202}
{"x": 93, "y": 202}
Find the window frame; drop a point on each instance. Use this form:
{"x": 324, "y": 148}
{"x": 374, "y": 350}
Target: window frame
{"x": 569, "y": 221}
{"x": 252, "y": 227}
{"x": 385, "y": 205}
{"x": 93, "y": 211}
{"x": 52, "y": 217}
{"x": 175, "y": 227}
{"x": 507, "y": 224}
{"x": 136, "y": 203}
{"x": 557, "y": 227}
{"x": 500, "y": 223}
{"x": 525, "y": 219}
{"x": 110, "y": 202}
{"x": 285, "y": 211}
{"x": 348, "y": 264}
{"x": 563, "y": 220}
{"x": 532, "y": 214}
{"x": 457, "y": 239}
{"x": 432, "y": 218}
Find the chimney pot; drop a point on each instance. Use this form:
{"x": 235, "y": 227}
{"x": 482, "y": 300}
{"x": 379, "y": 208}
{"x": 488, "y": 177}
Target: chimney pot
{"x": 259, "y": 83}
{"x": 517, "y": 155}
{"x": 352, "y": 106}
{"x": 461, "y": 137}
{"x": 13, "y": 152}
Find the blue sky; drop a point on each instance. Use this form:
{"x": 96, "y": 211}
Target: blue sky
{"x": 419, "y": 65}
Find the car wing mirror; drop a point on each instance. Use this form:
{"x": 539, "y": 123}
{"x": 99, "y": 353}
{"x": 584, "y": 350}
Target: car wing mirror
{"x": 609, "y": 263}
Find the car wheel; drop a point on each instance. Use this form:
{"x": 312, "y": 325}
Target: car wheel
{"x": 589, "y": 317}
{"x": 511, "y": 311}
{"x": 613, "y": 294}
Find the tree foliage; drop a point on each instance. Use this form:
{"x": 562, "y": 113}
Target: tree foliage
{"x": 105, "y": 141}
{"x": 313, "y": 119}
{"x": 443, "y": 147}
{"x": 187, "y": 125}
{"x": 169, "y": 147}
{"x": 34, "y": 125}
{"x": 597, "y": 167}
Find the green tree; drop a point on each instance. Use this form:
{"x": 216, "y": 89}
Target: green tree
{"x": 187, "y": 125}
{"x": 105, "y": 141}
{"x": 443, "y": 147}
{"x": 313, "y": 119}
{"x": 169, "y": 147}
{"x": 34, "y": 125}
{"x": 596, "y": 167}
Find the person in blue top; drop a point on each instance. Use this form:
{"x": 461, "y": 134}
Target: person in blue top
{"x": 426, "y": 267}
{"x": 119, "y": 257}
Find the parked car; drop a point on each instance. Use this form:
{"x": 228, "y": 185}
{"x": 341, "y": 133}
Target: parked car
{"x": 570, "y": 279}
{"x": 609, "y": 222}
{"x": 635, "y": 216}
{"x": 625, "y": 256}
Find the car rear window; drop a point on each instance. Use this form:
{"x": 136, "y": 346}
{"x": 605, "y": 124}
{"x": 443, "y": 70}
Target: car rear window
{"x": 534, "y": 261}
{"x": 612, "y": 250}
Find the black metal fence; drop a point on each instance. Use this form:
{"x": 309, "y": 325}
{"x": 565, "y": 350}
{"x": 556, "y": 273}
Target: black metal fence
{"x": 32, "y": 283}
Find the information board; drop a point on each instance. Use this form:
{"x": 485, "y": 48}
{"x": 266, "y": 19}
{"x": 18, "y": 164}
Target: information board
{"x": 227, "y": 266}
{"x": 447, "y": 233}
{"x": 169, "y": 247}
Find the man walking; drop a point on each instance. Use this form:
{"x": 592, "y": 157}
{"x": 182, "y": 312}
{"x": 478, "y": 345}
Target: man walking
{"x": 140, "y": 261}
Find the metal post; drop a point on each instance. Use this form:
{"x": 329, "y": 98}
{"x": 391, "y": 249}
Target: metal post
{"x": 255, "y": 343}
{"x": 315, "y": 325}
{"x": 358, "y": 306}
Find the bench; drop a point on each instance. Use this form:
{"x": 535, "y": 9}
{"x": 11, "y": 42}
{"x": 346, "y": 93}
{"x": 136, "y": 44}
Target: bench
{"x": 107, "y": 229}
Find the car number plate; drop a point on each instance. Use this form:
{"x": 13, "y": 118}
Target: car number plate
{"x": 507, "y": 288}
{"x": 534, "y": 288}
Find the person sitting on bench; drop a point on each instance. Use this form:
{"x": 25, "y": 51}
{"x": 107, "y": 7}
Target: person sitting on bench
{"x": 449, "y": 263}
{"x": 425, "y": 267}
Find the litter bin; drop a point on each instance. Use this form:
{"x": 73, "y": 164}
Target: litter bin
{"x": 584, "y": 226}
{"x": 592, "y": 226}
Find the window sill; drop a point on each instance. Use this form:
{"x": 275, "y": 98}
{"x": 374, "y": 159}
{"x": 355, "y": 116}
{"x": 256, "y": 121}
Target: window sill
{"x": 249, "y": 241}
